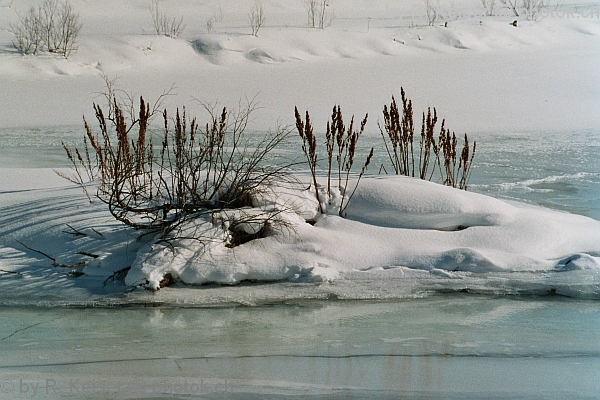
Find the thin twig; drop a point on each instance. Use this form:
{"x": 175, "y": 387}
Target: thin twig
{"x": 54, "y": 263}
{"x": 38, "y": 251}
{"x": 11, "y": 272}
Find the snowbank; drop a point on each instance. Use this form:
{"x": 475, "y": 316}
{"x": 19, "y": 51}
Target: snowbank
{"x": 402, "y": 237}
{"x": 392, "y": 222}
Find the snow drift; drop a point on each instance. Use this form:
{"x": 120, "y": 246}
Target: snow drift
{"x": 392, "y": 222}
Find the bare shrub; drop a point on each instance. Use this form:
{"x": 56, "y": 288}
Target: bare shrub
{"x": 533, "y": 8}
{"x": 94, "y": 161}
{"x": 341, "y": 143}
{"x": 192, "y": 172}
{"x": 511, "y": 5}
{"x": 52, "y": 26}
{"x": 217, "y": 17}
{"x": 66, "y": 29}
{"x": 318, "y": 13}
{"x": 455, "y": 169}
{"x": 28, "y": 32}
{"x": 427, "y": 144}
{"x": 400, "y": 133}
{"x": 431, "y": 11}
{"x": 256, "y": 17}
{"x": 311, "y": 12}
{"x": 165, "y": 25}
{"x": 488, "y": 7}
{"x": 398, "y": 136}
{"x": 309, "y": 147}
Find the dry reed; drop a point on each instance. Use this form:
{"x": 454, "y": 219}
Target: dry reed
{"x": 339, "y": 141}
{"x": 441, "y": 154}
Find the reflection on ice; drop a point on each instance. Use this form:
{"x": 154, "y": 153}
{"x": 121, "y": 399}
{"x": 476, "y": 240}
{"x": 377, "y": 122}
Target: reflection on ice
{"x": 465, "y": 346}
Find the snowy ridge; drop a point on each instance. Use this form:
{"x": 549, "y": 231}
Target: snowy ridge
{"x": 548, "y": 64}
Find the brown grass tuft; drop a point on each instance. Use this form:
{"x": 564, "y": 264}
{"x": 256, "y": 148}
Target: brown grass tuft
{"x": 398, "y": 137}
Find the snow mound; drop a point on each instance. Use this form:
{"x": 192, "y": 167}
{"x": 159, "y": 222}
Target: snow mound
{"x": 417, "y": 204}
{"x": 579, "y": 262}
{"x": 260, "y": 56}
{"x": 392, "y": 222}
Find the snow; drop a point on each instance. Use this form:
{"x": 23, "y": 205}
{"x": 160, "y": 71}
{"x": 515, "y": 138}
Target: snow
{"x": 538, "y": 75}
{"x": 392, "y": 222}
{"x": 414, "y": 235}
{"x": 482, "y": 74}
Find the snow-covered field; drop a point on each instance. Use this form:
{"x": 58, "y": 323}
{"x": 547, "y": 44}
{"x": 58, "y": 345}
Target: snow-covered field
{"x": 481, "y": 73}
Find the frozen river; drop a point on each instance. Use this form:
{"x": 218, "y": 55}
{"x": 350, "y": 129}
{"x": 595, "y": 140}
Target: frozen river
{"x": 457, "y": 346}
{"x": 227, "y": 344}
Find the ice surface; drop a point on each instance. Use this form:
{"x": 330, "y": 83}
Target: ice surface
{"x": 405, "y": 237}
{"x": 499, "y": 347}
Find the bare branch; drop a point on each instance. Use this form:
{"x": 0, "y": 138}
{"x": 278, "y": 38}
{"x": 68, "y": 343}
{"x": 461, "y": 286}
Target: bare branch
{"x": 256, "y": 17}
{"x": 52, "y": 26}
{"x": 165, "y": 25}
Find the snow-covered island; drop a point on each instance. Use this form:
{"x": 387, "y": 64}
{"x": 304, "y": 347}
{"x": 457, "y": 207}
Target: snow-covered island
{"x": 402, "y": 234}
{"x": 395, "y": 227}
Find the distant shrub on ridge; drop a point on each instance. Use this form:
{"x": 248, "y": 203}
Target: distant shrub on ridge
{"x": 256, "y": 17}
{"x": 163, "y": 24}
{"x": 52, "y": 26}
